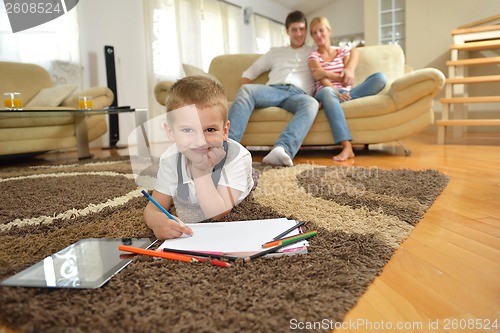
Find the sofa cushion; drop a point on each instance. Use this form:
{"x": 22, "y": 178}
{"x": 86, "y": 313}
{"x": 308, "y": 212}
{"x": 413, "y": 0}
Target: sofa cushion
{"x": 27, "y": 79}
{"x": 191, "y": 70}
{"x": 370, "y": 106}
{"x": 228, "y": 69}
{"x": 388, "y": 59}
{"x": 26, "y": 119}
{"x": 52, "y": 96}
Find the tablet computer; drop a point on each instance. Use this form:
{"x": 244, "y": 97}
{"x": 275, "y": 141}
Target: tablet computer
{"x": 86, "y": 264}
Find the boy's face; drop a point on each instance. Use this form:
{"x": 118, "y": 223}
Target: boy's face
{"x": 196, "y": 132}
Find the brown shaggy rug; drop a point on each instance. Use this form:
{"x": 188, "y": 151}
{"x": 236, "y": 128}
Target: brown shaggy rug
{"x": 362, "y": 215}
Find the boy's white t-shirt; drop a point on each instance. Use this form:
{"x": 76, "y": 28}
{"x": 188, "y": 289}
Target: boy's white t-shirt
{"x": 236, "y": 172}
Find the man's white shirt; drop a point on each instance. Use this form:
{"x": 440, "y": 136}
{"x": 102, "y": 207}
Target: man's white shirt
{"x": 286, "y": 65}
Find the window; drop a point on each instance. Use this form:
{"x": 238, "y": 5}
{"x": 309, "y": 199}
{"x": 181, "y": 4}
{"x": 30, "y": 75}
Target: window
{"x": 269, "y": 33}
{"x": 53, "y": 45}
{"x": 191, "y": 32}
{"x": 392, "y": 22}
{"x": 196, "y": 31}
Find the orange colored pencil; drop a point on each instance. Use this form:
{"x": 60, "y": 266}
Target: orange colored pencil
{"x": 170, "y": 255}
{"x": 165, "y": 255}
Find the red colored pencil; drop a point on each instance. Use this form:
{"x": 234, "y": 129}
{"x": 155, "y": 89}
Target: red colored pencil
{"x": 170, "y": 255}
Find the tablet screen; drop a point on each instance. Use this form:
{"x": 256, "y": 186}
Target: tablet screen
{"x": 88, "y": 263}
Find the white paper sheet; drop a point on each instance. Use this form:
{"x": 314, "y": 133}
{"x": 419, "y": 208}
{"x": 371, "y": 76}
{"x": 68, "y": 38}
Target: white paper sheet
{"x": 230, "y": 237}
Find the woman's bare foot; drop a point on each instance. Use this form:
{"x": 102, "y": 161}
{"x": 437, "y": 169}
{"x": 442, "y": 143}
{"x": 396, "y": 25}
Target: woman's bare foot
{"x": 346, "y": 152}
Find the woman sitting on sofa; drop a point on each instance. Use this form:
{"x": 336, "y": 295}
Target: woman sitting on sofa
{"x": 333, "y": 69}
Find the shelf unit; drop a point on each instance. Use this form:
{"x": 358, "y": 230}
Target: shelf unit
{"x": 483, "y": 35}
{"x": 392, "y": 22}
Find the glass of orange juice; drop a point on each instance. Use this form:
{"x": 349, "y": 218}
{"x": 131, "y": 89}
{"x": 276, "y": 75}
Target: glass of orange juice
{"x": 85, "y": 102}
{"x": 12, "y": 101}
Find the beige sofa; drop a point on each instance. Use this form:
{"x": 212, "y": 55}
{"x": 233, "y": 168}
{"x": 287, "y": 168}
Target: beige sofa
{"x": 403, "y": 108}
{"x": 32, "y": 133}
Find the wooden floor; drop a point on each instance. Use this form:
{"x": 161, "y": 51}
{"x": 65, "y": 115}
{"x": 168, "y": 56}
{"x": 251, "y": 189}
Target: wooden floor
{"x": 446, "y": 276}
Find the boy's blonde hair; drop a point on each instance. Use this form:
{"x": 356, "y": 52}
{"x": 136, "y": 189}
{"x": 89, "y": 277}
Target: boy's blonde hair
{"x": 199, "y": 90}
{"x": 321, "y": 20}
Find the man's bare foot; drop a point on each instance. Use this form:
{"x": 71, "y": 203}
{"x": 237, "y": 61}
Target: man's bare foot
{"x": 346, "y": 152}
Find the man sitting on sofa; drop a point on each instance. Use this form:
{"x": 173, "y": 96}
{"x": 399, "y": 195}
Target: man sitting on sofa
{"x": 290, "y": 87}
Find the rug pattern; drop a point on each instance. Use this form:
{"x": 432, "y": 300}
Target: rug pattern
{"x": 362, "y": 215}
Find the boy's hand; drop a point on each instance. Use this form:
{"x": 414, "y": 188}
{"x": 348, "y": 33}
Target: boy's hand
{"x": 208, "y": 161}
{"x": 170, "y": 229}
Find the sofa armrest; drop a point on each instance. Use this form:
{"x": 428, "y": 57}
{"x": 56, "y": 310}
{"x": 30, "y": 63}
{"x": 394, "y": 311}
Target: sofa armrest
{"x": 101, "y": 97}
{"x": 161, "y": 90}
{"x": 415, "y": 85}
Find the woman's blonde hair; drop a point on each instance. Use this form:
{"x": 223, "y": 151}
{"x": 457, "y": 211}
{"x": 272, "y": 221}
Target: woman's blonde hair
{"x": 321, "y": 20}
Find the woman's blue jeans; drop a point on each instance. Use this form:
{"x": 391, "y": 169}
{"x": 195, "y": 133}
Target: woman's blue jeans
{"x": 333, "y": 109}
{"x": 288, "y": 97}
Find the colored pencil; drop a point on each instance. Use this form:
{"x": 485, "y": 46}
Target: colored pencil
{"x": 286, "y": 232}
{"x": 289, "y": 239}
{"x": 160, "y": 207}
{"x": 170, "y": 255}
{"x": 217, "y": 255}
{"x": 152, "y": 253}
{"x": 276, "y": 248}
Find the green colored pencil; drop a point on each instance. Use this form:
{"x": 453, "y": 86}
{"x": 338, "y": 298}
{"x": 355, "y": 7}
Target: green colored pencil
{"x": 289, "y": 239}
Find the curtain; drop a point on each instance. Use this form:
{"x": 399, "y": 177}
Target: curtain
{"x": 269, "y": 34}
{"x": 191, "y": 32}
{"x": 187, "y": 32}
{"x": 53, "y": 45}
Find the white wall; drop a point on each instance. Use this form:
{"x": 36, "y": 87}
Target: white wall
{"x": 428, "y": 26}
{"x": 266, "y": 8}
{"x": 345, "y": 16}
{"x": 119, "y": 23}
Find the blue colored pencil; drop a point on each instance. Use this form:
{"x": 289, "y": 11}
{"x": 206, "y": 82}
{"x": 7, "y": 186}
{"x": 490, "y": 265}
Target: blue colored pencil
{"x": 150, "y": 198}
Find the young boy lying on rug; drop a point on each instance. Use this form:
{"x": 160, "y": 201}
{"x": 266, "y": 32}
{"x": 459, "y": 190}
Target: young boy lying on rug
{"x": 204, "y": 174}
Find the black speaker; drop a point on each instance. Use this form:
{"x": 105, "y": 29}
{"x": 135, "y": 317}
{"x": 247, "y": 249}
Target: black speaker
{"x": 114, "y": 130}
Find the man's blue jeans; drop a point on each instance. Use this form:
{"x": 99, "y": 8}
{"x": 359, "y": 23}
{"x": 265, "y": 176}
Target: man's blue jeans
{"x": 288, "y": 97}
{"x": 333, "y": 110}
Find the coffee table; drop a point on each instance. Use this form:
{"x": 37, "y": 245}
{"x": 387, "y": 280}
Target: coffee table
{"x": 80, "y": 116}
